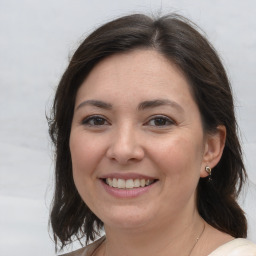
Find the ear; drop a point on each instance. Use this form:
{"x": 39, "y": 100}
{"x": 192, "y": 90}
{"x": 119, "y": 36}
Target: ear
{"x": 214, "y": 145}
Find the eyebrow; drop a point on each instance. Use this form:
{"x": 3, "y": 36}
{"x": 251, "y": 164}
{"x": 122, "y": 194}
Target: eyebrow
{"x": 96, "y": 103}
{"x": 159, "y": 102}
{"x": 142, "y": 106}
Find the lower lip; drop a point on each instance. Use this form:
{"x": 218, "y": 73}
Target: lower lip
{"x": 126, "y": 193}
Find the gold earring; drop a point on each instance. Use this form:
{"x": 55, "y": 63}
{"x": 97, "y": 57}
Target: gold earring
{"x": 208, "y": 170}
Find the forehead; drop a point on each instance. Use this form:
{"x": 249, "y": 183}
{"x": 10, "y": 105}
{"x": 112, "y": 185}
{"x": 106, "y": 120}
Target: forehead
{"x": 139, "y": 73}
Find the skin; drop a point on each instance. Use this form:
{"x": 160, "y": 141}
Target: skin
{"x": 118, "y": 135}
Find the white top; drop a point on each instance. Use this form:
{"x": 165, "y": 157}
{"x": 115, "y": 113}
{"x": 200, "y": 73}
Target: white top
{"x": 236, "y": 247}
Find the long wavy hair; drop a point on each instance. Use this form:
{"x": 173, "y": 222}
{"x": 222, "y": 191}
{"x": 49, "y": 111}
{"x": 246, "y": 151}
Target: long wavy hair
{"x": 180, "y": 41}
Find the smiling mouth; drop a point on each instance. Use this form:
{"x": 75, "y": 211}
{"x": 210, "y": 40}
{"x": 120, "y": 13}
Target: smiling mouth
{"x": 129, "y": 183}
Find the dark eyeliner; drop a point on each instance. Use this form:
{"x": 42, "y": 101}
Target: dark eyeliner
{"x": 86, "y": 120}
{"x": 169, "y": 120}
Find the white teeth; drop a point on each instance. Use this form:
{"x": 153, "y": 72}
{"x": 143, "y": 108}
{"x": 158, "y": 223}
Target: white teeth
{"x": 136, "y": 183}
{"x": 110, "y": 182}
{"x": 114, "y": 183}
{"x": 121, "y": 183}
{"x": 130, "y": 183}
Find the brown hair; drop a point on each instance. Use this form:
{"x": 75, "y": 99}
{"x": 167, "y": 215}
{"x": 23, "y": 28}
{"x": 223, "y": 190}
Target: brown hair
{"x": 179, "y": 41}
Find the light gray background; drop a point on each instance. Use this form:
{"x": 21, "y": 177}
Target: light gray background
{"x": 37, "y": 38}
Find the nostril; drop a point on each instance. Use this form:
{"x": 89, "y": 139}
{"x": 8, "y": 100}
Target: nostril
{"x": 125, "y": 155}
{"x": 125, "y": 147}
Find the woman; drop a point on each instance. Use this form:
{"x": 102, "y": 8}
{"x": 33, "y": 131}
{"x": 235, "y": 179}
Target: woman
{"x": 146, "y": 145}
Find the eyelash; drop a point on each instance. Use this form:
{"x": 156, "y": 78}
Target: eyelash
{"x": 88, "y": 119}
{"x": 165, "y": 121}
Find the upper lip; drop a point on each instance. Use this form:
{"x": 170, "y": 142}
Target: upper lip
{"x": 127, "y": 176}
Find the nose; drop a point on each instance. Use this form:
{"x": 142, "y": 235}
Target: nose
{"x": 125, "y": 146}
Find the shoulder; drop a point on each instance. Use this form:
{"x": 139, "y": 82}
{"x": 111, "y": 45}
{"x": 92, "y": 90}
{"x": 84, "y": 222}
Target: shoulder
{"x": 236, "y": 247}
{"x": 86, "y": 251}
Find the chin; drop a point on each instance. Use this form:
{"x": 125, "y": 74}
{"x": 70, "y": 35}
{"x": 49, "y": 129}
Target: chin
{"x": 127, "y": 218}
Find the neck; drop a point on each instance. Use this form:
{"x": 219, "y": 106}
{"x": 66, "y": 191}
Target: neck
{"x": 172, "y": 238}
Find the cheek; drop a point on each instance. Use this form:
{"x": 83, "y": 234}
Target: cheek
{"x": 177, "y": 152}
{"x": 83, "y": 165}
{"x": 85, "y": 153}
{"x": 83, "y": 162}
{"x": 179, "y": 161}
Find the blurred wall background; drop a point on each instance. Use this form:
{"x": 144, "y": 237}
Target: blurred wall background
{"x": 37, "y": 38}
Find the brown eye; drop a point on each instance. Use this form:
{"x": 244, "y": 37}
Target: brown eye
{"x": 95, "y": 121}
{"x": 160, "y": 121}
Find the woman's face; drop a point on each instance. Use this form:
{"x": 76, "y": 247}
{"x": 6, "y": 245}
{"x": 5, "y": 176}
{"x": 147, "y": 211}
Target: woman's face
{"x": 137, "y": 143}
